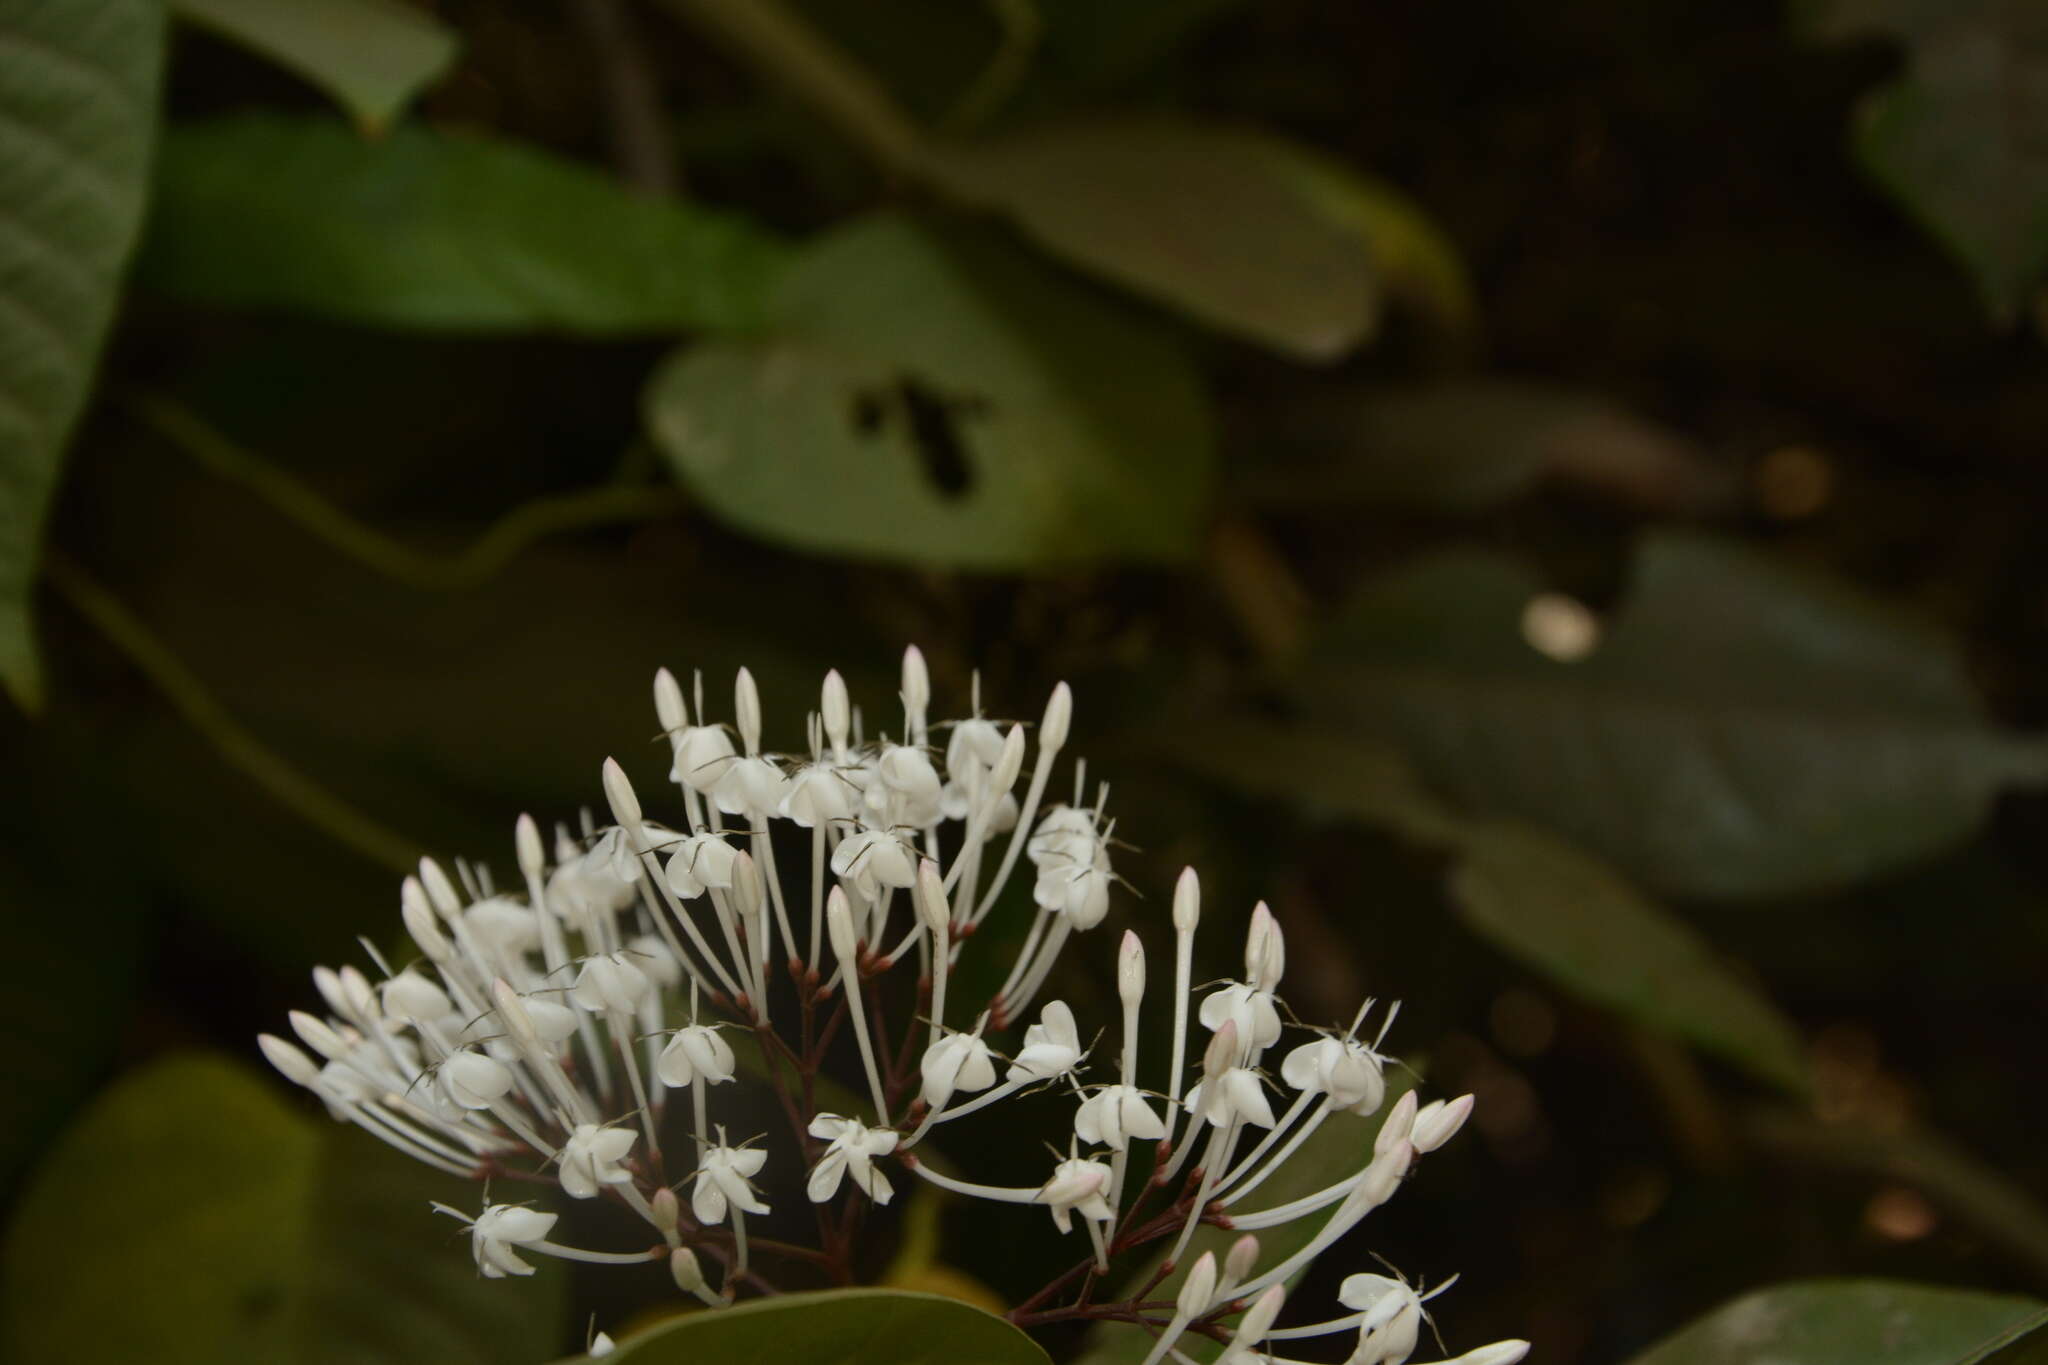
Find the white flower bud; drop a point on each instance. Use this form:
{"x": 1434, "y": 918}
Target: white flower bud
{"x": 1240, "y": 1260}
{"x": 1198, "y": 1288}
{"x": 513, "y": 1014}
{"x": 418, "y": 915}
{"x": 839, "y": 925}
{"x": 1253, "y": 1326}
{"x": 688, "y": 1275}
{"x": 1497, "y": 1353}
{"x": 618, "y": 790}
{"x": 917, "y": 682}
{"x": 447, "y": 901}
{"x": 1438, "y": 1122}
{"x": 314, "y": 1033}
{"x": 1222, "y": 1052}
{"x": 533, "y": 858}
{"x": 600, "y": 1346}
{"x": 929, "y": 895}
{"x": 668, "y": 702}
{"x": 1059, "y": 715}
{"x": 1399, "y": 1122}
{"x": 1265, "y": 952}
{"x": 1130, "y": 969}
{"x": 1009, "y": 764}
{"x": 1187, "y": 901}
{"x": 667, "y": 1210}
{"x": 746, "y": 708}
{"x": 296, "y": 1065}
{"x": 834, "y": 710}
{"x": 327, "y": 981}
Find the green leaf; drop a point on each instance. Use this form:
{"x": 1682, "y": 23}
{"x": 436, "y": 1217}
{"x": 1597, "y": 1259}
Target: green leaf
{"x": 1742, "y": 729}
{"x": 1826, "y": 1322}
{"x": 836, "y": 1327}
{"x": 937, "y": 398}
{"x": 1200, "y": 218}
{"x": 1962, "y": 139}
{"x": 1574, "y": 919}
{"x": 78, "y": 86}
{"x": 1462, "y": 446}
{"x": 229, "y": 1226}
{"x": 372, "y": 56}
{"x": 440, "y": 231}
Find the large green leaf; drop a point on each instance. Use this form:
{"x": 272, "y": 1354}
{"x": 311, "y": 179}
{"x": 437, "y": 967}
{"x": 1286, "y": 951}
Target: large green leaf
{"x": 438, "y": 230}
{"x": 191, "y": 1217}
{"x": 836, "y": 1327}
{"x": 78, "y": 83}
{"x": 935, "y": 397}
{"x": 1962, "y": 139}
{"x": 1204, "y": 219}
{"x": 1572, "y": 918}
{"x": 1830, "y": 1322}
{"x": 1742, "y": 730}
{"x": 372, "y": 56}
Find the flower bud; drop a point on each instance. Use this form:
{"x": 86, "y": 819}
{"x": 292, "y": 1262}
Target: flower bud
{"x": 1198, "y": 1288}
{"x": 1497, "y": 1353}
{"x": 1400, "y": 1121}
{"x": 314, "y": 1032}
{"x": 1008, "y": 764}
{"x": 1258, "y": 1319}
{"x": 533, "y": 857}
{"x": 1265, "y": 952}
{"x": 929, "y": 894}
{"x": 668, "y": 702}
{"x": 839, "y": 924}
{"x": 296, "y": 1065}
{"x": 410, "y": 998}
{"x": 689, "y": 1276}
{"x": 618, "y": 790}
{"x": 746, "y": 706}
{"x": 1130, "y": 969}
{"x": 1059, "y": 716}
{"x": 440, "y": 891}
{"x": 746, "y": 887}
{"x": 834, "y": 710}
{"x": 917, "y": 683}
{"x": 1222, "y": 1051}
{"x": 512, "y": 1013}
{"x": 1239, "y": 1261}
{"x": 419, "y": 921}
{"x": 666, "y": 1209}
{"x": 1187, "y": 901}
{"x": 1438, "y": 1122}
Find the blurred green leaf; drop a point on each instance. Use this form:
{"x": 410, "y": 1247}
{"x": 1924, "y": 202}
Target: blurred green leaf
{"x": 836, "y": 1327}
{"x": 935, "y": 397}
{"x": 438, "y": 230}
{"x": 78, "y": 84}
{"x": 1333, "y": 1152}
{"x": 1742, "y": 729}
{"x": 1464, "y": 445}
{"x": 1201, "y": 218}
{"x": 373, "y": 56}
{"x": 1828, "y": 1322}
{"x": 1335, "y": 772}
{"x": 1962, "y": 139}
{"x": 1575, "y": 920}
{"x": 1101, "y": 45}
{"x": 225, "y": 1225}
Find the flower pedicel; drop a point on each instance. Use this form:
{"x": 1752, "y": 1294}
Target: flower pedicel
{"x": 544, "y": 1032}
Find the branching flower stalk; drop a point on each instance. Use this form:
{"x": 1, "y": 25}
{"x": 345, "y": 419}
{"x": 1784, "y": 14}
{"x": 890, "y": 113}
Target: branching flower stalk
{"x": 540, "y": 1037}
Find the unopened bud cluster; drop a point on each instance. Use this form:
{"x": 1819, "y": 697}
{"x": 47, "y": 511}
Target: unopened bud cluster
{"x": 545, "y": 1029}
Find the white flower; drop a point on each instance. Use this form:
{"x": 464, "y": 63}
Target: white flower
{"x": 696, "y": 1050}
{"x": 724, "y": 1176}
{"x": 973, "y": 750}
{"x": 502, "y": 926}
{"x": 1078, "y": 892}
{"x": 907, "y": 789}
{"x": 1237, "y": 1094}
{"x": 699, "y": 861}
{"x": 1393, "y": 1318}
{"x": 818, "y": 794}
{"x": 410, "y": 998}
{"x": 1114, "y": 1115}
{"x": 751, "y": 787}
{"x": 610, "y": 981}
{"x": 1077, "y": 1186}
{"x": 1346, "y": 1070}
{"x": 591, "y": 1157}
{"x": 1066, "y": 835}
{"x": 958, "y": 1061}
{"x": 500, "y": 1228}
{"x": 872, "y": 859}
{"x": 1052, "y": 1046}
{"x": 852, "y": 1148}
{"x": 701, "y": 755}
{"x": 1251, "y": 1009}
{"x": 473, "y": 1080}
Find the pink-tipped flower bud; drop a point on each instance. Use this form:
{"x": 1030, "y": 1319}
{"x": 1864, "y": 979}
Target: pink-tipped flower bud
{"x": 1198, "y": 1288}
{"x": 839, "y": 925}
{"x": 1438, "y": 1122}
{"x": 1399, "y": 1122}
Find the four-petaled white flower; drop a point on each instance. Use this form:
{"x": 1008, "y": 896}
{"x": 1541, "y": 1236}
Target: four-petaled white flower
{"x": 1346, "y": 1070}
{"x": 1251, "y": 1009}
{"x": 873, "y": 859}
{"x": 611, "y": 981}
{"x": 1077, "y": 1186}
{"x": 700, "y": 861}
{"x": 1392, "y": 1322}
{"x": 1236, "y": 1094}
{"x": 696, "y": 1050}
{"x": 723, "y": 1177}
{"x": 1052, "y": 1046}
{"x": 500, "y": 1228}
{"x": 1115, "y": 1114}
{"x": 591, "y": 1157}
{"x": 958, "y": 1061}
{"x": 852, "y": 1148}
{"x": 473, "y": 1080}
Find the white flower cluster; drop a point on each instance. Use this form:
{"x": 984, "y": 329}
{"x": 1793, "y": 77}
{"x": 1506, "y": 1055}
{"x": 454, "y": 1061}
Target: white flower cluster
{"x": 543, "y": 1031}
